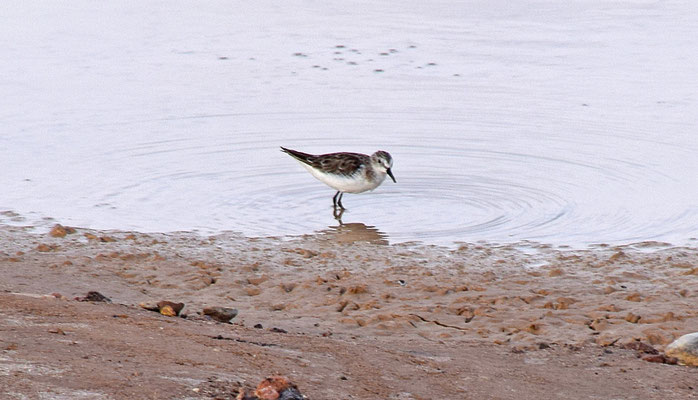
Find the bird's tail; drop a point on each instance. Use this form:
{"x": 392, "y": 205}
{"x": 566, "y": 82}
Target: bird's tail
{"x": 299, "y": 155}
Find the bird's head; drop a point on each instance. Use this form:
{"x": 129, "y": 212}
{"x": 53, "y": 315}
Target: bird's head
{"x": 383, "y": 162}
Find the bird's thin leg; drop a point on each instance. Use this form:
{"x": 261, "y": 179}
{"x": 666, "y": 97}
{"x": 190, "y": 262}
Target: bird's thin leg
{"x": 337, "y": 213}
{"x": 339, "y": 201}
{"x": 334, "y": 199}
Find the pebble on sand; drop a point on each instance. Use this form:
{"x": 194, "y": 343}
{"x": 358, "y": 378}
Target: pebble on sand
{"x": 60, "y": 231}
{"x": 169, "y": 308}
{"x": 273, "y": 388}
{"x": 94, "y": 297}
{"x": 685, "y": 349}
{"x": 166, "y": 308}
{"x": 221, "y": 314}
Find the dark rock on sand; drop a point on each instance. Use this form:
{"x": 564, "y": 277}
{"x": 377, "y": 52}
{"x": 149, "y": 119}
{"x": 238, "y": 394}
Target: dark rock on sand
{"x": 273, "y": 388}
{"x": 221, "y": 314}
{"x": 94, "y": 296}
{"x": 169, "y": 308}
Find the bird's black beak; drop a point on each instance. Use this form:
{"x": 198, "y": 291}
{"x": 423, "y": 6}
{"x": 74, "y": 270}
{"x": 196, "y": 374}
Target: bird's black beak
{"x": 390, "y": 174}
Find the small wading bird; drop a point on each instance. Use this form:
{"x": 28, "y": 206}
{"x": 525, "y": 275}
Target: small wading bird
{"x": 346, "y": 172}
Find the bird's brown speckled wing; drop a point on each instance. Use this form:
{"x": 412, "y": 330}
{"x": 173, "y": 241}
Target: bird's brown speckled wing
{"x": 340, "y": 163}
{"x": 333, "y": 163}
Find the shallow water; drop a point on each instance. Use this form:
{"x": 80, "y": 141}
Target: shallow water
{"x": 567, "y": 124}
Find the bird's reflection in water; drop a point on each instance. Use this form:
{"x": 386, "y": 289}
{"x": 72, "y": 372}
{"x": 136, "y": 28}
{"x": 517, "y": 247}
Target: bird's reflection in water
{"x": 352, "y": 232}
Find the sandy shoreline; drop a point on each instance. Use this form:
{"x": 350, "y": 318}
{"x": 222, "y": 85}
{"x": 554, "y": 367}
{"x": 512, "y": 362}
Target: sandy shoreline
{"x": 527, "y": 309}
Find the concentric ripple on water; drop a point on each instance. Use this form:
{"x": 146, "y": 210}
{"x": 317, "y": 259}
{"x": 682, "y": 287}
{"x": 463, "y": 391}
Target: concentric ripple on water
{"x": 541, "y": 121}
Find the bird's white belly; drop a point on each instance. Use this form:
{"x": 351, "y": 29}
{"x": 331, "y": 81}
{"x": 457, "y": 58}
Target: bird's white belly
{"x": 347, "y": 184}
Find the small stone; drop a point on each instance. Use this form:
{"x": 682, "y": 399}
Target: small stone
{"x": 95, "y": 297}
{"x": 169, "y": 308}
{"x": 685, "y": 349}
{"x": 168, "y": 311}
{"x": 57, "y": 331}
{"x": 58, "y": 231}
{"x": 253, "y": 291}
{"x": 221, "y": 314}
{"x": 277, "y": 388}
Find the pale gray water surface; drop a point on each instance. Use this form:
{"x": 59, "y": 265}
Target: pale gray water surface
{"x": 541, "y": 120}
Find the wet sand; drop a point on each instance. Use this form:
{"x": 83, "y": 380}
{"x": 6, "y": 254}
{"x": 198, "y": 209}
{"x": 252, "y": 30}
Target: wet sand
{"x": 343, "y": 315}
